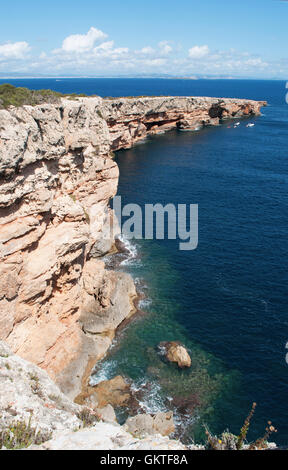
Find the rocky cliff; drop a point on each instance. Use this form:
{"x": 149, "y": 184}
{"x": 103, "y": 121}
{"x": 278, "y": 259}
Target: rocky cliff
{"x": 35, "y": 414}
{"x": 59, "y": 306}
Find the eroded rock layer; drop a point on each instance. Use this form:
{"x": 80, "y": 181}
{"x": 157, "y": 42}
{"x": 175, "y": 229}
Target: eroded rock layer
{"x": 59, "y": 306}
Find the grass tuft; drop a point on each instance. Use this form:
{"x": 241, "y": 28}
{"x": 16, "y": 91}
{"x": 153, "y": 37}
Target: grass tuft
{"x": 88, "y": 417}
{"x": 20, "y": 435}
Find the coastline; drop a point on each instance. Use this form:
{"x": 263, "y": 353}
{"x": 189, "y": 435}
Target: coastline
{"x": 120, "y": 254}
{"x": 54, "y": 225}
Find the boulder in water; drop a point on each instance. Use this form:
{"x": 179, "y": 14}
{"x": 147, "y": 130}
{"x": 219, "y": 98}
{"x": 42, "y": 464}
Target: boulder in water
{"x": 175, "y": 352}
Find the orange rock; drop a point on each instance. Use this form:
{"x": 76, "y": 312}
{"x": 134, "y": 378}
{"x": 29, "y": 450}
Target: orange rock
{"x": 175, "y": 352}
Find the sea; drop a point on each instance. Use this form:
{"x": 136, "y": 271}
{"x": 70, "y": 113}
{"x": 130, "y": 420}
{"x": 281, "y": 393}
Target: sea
{"x": 226, "y": 301}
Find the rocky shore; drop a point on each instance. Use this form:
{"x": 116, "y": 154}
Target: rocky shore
{"x": 35, "y": 414}
{"x": 59, "y": 304}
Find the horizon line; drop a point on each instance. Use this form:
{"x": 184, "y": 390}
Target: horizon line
{"x": 25, "y": 77}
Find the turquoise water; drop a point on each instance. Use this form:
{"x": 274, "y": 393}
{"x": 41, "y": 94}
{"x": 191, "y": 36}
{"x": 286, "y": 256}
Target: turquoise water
{"x": 190, "y": 393}
{"x": 227, "y": 300}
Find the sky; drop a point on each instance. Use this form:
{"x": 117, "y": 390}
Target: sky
{"x": 184, "y": 38}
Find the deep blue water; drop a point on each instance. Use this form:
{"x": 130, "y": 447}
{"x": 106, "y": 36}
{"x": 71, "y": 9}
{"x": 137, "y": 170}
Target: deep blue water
{"x": 227, "y": 300}
{"x": 252, "y": 89}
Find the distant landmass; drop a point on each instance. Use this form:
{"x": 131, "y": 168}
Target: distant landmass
{"x": 11, "y": 76}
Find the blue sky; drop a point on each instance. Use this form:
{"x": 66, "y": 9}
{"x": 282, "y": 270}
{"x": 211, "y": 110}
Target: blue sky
{"x": 185, "y": 38}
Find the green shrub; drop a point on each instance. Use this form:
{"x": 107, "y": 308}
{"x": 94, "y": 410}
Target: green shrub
{"x": 243, "y": 432}
{"x": 19, "y": 435}
{"x": 19, "y": 96}
{"x": 228, "y": 441}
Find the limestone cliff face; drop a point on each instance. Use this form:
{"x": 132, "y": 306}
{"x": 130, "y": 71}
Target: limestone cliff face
{"x": 130, "y": 120}
{"x": 59, "y": 306}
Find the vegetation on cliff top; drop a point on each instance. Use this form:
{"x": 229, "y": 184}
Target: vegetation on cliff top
{"x": 18, "y": 96}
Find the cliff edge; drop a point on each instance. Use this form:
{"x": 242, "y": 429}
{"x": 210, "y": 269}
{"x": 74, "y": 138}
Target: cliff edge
{"x": 59, "y": 305}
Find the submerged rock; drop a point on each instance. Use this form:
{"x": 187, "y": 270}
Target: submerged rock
{"x": 114, "y": 392}
{"x": 175, "y": 352}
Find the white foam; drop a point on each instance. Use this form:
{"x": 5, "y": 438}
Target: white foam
{"x": 106, "y": 372}
{"x": 141, "y": 142}
{"x": 196, "y": 129}
{"x": 152, "y": 401}
{"x": 162, "y": 350}
{"x": 145, "y": 303}
{"x": 131, "y": 248}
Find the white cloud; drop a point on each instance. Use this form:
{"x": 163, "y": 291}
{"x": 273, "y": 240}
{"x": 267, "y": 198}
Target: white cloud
{"x": 93, "y": 54}
{"x": 257, "y": 62}
{"x": 165, "y": 47}
{"x": 14, "y": 50}
{"x": 107, "y": 50}
{"x": 82, "y": 42}
{"x": 105, "y": 46}
{"x": 197, "y": 52}
{"x": 154, "y": 62}
{"x": 147, "y": 50}
{"x": 162, "y": 49}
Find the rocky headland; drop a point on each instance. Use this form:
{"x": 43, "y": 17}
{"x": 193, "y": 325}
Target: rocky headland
{"x": 59, "y": 304}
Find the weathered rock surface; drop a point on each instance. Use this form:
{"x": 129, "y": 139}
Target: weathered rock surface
{"x": 28, "y": 394}
{"x": 131, "y": 120}
{"x": 115, "y": 392}
{"x": 175, "y": 352}
{"x": 106, "y": 414}
{"x": 105, "y": 436}
{"x": 142, "y": 424}
{"x": 59, "y": 306}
